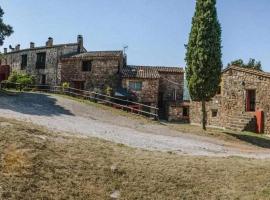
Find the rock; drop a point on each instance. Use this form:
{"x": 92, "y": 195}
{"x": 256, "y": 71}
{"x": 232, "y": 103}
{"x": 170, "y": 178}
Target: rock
{"x": 115, "y": 195}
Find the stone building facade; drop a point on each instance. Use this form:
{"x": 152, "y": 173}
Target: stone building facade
{"x": 51, "y": 64}
{"x": 92, "y": 70}
{"x": 243, "y": 92}
{"x": 41, "y": 62}
{"x": 162, "y": 87}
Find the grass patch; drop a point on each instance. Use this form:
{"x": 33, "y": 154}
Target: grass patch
{"x": 107, "y": 108}
{"x": 259, "y": 140}
{"x": 38, "y": 164}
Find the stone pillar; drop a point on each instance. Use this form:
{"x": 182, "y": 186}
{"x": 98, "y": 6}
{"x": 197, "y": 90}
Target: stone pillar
{"x": 5, "y": 50}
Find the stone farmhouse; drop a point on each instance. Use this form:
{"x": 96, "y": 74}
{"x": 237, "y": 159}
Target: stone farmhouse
{"x": 52, "y": 64}
{"x": 242, "y": 93}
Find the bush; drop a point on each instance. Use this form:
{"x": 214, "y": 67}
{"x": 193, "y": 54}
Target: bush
{"x": 22, "y": 79}
{"x": 65, "y": 85}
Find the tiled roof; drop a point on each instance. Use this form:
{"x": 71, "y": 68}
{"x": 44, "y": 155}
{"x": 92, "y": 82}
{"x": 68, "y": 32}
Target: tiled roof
{"x": 96, "y": 54}
{"x": 248, "y": 70}
{"x": 139, "y": 72}
{"x": 169, "y": 69}
{"x": 162, "y": 68}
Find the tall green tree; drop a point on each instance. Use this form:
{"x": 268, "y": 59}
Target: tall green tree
{"x": 5, "y": 30}
{"x": 203, "y": 56}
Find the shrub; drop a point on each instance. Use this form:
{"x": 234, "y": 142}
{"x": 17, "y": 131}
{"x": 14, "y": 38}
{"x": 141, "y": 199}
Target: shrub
{"x": 109, "y": 91}
{"x": 65, "y": 85}
{"x": 22, "y": 79}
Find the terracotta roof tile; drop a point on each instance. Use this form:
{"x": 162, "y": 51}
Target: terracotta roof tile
{"x": 139, "y": 72}
{"x": 248, "y": 70}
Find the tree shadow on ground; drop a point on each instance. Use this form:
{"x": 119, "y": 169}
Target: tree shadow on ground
{"x": 254, "y": 140}
{"x": 32, "y": 104}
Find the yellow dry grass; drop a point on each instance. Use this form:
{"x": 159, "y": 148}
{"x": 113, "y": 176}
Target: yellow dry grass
{"x": 38, "y": 164}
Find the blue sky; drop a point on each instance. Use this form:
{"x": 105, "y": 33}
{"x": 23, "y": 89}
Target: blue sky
{"x": 154, "y": 30}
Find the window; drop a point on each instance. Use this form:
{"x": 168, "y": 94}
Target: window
{"x": 24, "y": 62}
{"x": 135, "y": 85}
{"x": 41, "y": 60}
{"x": 185, "y": 112}
{"x": 214, "y": 113}
{"x": 250, "y": 100}
{"x": 86, "y": 66}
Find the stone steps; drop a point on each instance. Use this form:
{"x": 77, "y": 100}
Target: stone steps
{"x": 241, "y": 123}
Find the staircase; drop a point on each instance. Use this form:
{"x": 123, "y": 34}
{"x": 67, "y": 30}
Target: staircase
{"x": 241, "y": 122}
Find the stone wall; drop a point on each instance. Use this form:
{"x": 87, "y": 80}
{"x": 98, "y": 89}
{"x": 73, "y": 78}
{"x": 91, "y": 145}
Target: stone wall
{"x": 170, "y": 82}
{"x": 53, "y": 54}
{"x": 149, "y": 92}
{"x": 104, "y": 72}
{"x": 231, "y": 103}
{"x": 175, "y": 112}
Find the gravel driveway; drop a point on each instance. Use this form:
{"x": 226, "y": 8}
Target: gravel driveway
{"x": 63, "y": 114}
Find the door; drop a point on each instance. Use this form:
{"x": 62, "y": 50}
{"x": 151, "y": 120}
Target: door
{"x": 161, "y": 106}
{"x": 78, "y": 85}
{"x": 2, "y": 77}
{"x": 43, "y": 79}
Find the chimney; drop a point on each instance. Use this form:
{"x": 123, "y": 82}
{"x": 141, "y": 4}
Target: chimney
{"x": 49, "y": 43}
{"x": 17, "y": 48}
{"x": 80, "y": 43}
{"x": 5, "y": 50}
{"x": 32, "y": 45}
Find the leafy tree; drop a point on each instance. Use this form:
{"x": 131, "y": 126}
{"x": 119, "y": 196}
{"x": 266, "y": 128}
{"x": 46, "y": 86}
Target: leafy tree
{"x": 203, "y": 56}
{"x": 252, "y": 63}
{"x": 5, "y": 30}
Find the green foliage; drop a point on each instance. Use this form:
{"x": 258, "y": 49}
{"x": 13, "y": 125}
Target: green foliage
{"x": 5, "y": 30}
{"x": 23, "y": 79}
{"x": 252, "y": 63}
{"x": 203, "y": 56}
{"x": 65, "y": 85}
{"x": 109, "y": 91}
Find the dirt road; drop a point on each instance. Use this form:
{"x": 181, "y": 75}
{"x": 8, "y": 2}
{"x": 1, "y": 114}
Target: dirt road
{"x": 63, "y": 114}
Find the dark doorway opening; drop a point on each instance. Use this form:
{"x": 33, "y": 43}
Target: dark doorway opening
{"x": 43, "y": 79}
{"x": 161, "y": 106}
{"x": 78, "y": 85}
{"x": 2, "y": 77}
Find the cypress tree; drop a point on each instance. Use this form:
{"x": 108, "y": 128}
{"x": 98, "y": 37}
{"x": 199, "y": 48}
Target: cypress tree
{"x": 203, "y": 56}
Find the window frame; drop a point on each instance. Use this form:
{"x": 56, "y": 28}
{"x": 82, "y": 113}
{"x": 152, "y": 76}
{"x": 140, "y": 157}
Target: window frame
{"x": 250, "y": 102}
{"x": 133, "y": 85}
{"x": 88, "y": 67}
{"x": 24, "y": 61}
{"x": 214, "y": 113}
{"x": 41, "y": 63}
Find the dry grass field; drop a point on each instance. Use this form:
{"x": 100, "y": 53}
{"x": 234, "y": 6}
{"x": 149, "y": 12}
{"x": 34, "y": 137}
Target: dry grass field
{"x": 38, "y": 164}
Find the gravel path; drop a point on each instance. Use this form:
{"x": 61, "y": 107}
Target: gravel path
{"x": 62, "y": 114}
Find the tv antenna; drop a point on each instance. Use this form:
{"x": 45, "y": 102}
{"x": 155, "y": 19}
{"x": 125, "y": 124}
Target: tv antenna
{"x": 125, "y": 48}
